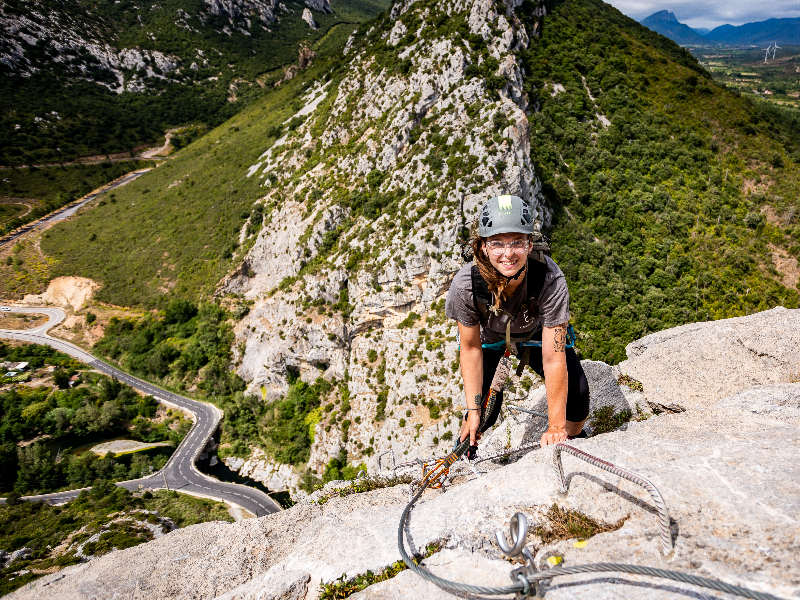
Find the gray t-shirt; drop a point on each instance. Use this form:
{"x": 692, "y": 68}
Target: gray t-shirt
{"x": 553, "y": 305}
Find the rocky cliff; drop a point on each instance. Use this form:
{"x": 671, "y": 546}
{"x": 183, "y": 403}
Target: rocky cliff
{"x": 366, "y": 195}
{"x": 726, "y": 468}
{"x": 92, "y": 45}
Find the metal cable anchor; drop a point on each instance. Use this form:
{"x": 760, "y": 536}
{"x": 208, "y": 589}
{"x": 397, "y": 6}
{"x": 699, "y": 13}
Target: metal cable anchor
{"x": 519, "y": 534}
{"x": 658, "y": 500}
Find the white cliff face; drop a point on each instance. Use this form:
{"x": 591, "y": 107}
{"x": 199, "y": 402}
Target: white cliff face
{"x": 309, "y": 18}
{"x": 365, "y": 194}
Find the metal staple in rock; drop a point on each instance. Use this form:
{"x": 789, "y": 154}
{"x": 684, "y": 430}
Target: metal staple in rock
{"x": 560, "y": 571}
{"x": 658, "y": 500}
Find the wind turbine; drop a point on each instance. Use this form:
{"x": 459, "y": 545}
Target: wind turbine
{"x": 766, "y": 56}
{"x": 775, "y": 47}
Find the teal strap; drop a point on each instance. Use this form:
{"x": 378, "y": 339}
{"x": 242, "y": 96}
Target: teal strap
{"x": 501, "y": 345}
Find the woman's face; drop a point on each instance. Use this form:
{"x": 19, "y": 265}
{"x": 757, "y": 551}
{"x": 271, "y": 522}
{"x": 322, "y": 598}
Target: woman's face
{"x": 507, "y": 252}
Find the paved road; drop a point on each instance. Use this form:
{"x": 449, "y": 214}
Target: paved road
{"x": 68, "y": 211}
{"x": 181, "y": 472}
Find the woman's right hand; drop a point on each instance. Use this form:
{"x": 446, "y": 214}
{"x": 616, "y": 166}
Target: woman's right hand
{"x": 471, "y": 427}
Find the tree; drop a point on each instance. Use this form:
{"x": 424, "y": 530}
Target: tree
{"x": 61, "y": 379}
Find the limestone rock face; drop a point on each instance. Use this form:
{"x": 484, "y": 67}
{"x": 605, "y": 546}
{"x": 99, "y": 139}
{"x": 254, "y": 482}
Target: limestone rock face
{"x": 697, "y": 365}
{"x": 309, "y": 18}
{"x": 727, "y": 473}
{"x": 366, "y": 189}
{"x": 258, "y": 467}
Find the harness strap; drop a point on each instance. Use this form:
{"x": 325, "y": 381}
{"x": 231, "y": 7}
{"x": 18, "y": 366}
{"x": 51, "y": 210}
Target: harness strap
{"x": 524, "y": 360}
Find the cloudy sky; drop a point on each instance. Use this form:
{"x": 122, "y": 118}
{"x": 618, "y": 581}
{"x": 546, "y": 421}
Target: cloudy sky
{"x": 711, "y": 13}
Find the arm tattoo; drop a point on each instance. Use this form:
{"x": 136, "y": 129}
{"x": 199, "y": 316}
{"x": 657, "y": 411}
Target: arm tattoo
{"x": 560, "y": 336}
{"x": 478, "y": 399}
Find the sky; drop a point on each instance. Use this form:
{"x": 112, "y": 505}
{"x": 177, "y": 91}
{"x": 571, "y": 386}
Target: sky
{"x": 711, "y": 13}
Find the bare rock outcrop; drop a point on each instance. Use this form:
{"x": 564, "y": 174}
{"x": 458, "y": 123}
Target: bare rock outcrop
{"x": 697, "y": 365}
{"x": 309, "y": 19}
{"x": 727, "y": 475}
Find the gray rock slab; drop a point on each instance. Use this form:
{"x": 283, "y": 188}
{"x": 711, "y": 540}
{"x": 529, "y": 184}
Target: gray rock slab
{"x": 603, "y": 387}
{"x": 728, "y": 475}
{"x": 697, "y": 365}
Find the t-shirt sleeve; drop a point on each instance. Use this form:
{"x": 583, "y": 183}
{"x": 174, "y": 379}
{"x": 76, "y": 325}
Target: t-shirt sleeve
{"x": 459, "y": 304}
{"x": 554, "y": 303}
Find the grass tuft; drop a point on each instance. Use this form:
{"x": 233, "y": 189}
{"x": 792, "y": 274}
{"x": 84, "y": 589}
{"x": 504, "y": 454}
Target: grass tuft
{"x": 605, "y": 420}
{"x": 565, "y": 524}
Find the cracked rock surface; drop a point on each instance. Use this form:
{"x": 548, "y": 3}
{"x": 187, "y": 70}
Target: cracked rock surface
{"x": 728, "y": 473}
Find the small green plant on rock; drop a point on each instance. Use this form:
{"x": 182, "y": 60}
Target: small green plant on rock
{"x": 632, "y": 383}
{"x": 604, "y": 419}
{"x": 343, "y": 588}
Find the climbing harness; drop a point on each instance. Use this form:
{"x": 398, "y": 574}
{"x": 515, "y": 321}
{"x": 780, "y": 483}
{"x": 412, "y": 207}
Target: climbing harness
{"x": 483, "y": 299}
{"x": 571, "y": 337}
{"x": 525, "y": 346}
{"x": 526, "y": 579}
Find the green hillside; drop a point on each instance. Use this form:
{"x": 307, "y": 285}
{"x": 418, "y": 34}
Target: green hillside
{"x": 673, "y": 198}
{"x": 74, "y": 95}
{"x": 175, "y": 230}
{"x": 675, "y": 209}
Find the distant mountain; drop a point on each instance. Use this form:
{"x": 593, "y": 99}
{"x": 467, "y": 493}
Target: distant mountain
{"x": 783, "y": 31}
{"x": 701, "y": 30}
{"x": 665, "y": 23}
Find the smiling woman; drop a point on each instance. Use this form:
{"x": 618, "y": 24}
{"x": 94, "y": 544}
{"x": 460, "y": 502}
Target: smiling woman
{"x": 514, "y": 293}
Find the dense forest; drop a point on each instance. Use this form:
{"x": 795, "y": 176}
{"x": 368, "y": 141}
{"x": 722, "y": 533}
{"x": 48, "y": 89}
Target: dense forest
{"x": 185, "y": 346}
{"x": 39, "y": 425}
{"x": 662, "y": 217}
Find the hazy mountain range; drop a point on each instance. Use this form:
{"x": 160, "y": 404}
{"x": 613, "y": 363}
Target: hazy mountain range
{"x": 782, "y": 31}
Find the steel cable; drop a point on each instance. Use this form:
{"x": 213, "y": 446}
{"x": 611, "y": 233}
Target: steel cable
{"x": 658, "y": 500}
{"x": 561, "y": 571}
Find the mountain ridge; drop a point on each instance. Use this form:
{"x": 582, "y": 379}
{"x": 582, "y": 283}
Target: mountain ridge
{"x": 780, "y": 30}
{"x": 665, "y": 23}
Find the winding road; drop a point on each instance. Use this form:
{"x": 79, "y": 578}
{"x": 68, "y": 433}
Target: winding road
{"x": 180, "y": 471}
{"x": 70, "y": 209}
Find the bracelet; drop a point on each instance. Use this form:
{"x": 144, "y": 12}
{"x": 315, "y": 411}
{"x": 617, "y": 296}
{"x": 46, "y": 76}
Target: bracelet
{"x": 473, "y": 409}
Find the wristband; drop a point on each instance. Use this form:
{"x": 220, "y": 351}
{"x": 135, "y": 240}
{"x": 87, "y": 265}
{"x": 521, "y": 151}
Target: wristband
{"x": 473, "y": 409}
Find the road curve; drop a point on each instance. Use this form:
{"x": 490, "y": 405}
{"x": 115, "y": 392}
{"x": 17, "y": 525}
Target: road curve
{"x": 180, "y": 471}
{"x": 70, "y": 209}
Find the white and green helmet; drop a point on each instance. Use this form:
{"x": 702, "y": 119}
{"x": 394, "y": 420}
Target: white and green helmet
{"x": 505, "y": 214}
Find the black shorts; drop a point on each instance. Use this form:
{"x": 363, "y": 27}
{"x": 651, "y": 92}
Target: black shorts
{"x": 577, "y": 391}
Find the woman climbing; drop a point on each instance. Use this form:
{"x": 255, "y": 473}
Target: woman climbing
{"x": 512, "y": 293}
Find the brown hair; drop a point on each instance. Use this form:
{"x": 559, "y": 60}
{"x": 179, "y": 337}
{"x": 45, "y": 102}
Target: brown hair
{"x": 497, "y": 283}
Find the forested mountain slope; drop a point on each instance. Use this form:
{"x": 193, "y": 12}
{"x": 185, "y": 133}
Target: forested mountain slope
{"x": 92, "y": 77}
{"x": 336, "y": 205}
